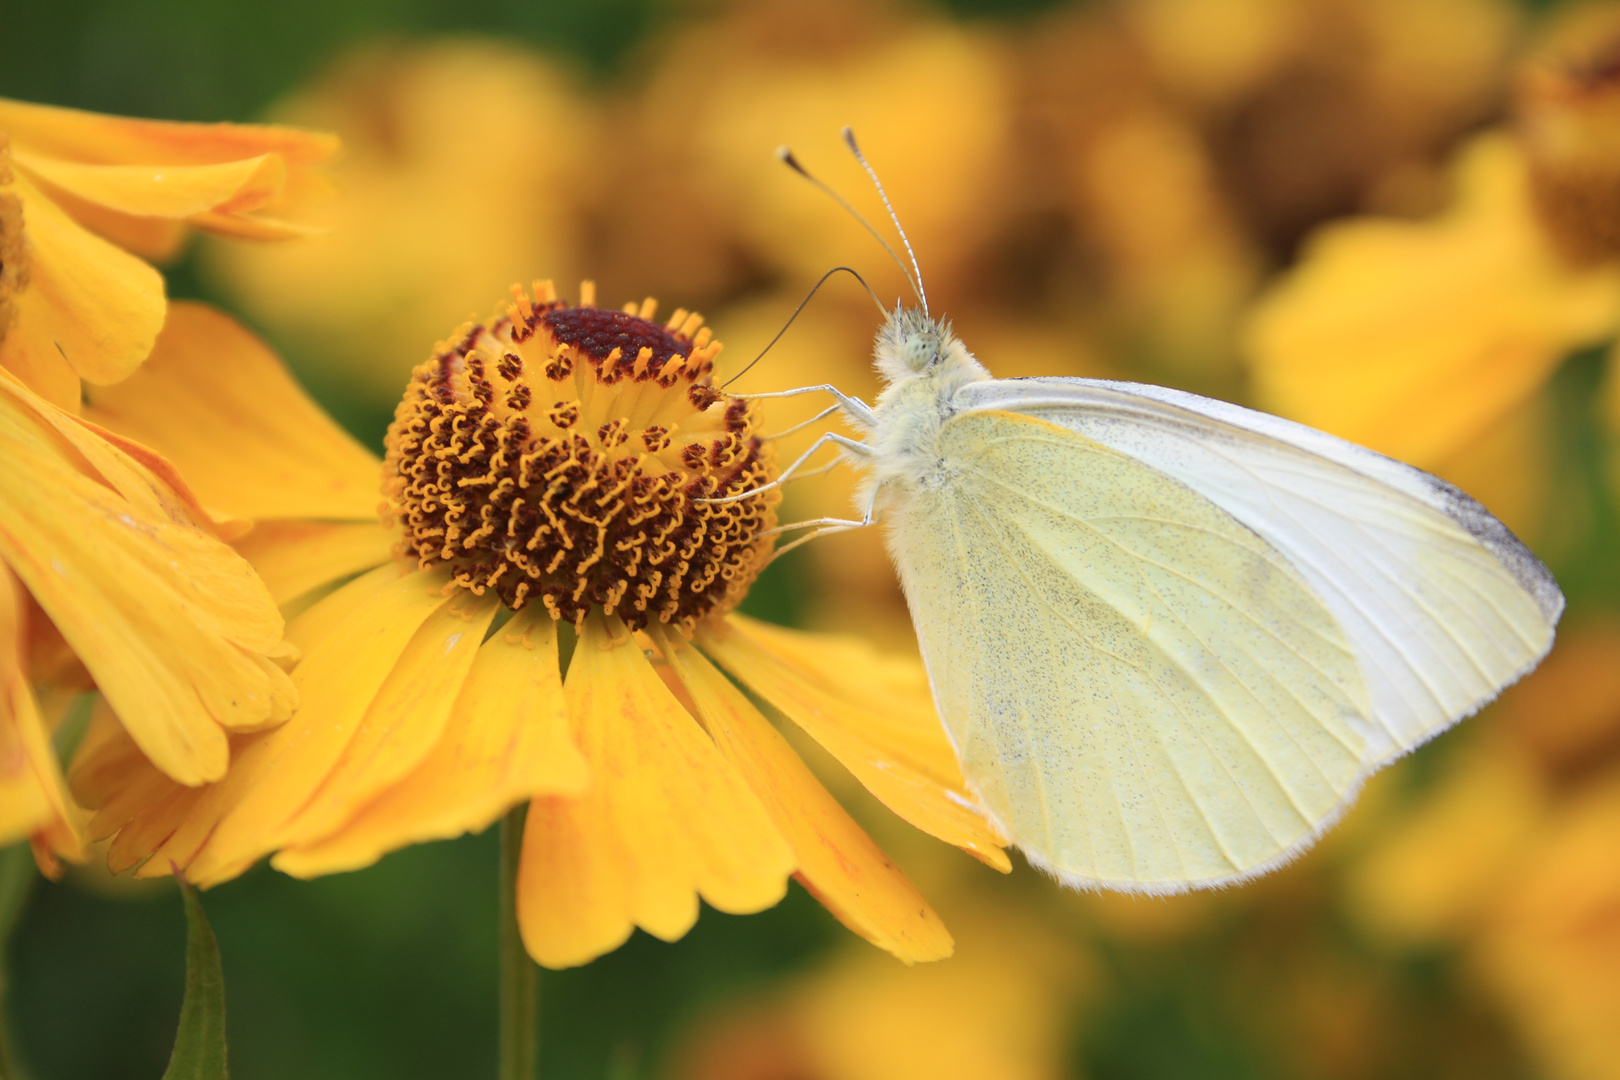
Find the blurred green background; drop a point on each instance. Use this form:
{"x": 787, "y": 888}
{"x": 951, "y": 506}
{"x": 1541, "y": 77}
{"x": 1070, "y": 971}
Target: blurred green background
{"x": 390, "y": 972}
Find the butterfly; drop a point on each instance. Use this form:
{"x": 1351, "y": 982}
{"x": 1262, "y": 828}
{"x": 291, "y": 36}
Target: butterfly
{"x": 1170, "y": 637}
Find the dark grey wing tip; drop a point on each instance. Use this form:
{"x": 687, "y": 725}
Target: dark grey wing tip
{"x": 1527, "y": 569}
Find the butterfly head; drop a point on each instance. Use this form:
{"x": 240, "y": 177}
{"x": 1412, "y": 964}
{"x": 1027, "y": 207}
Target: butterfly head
{"x": 912, "y": 344}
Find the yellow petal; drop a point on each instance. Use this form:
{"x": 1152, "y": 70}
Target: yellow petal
{"x": 172, "y": 624}
{"x": 168, "y": 191}
{"x": 154, "y": 239}
{"x": 86, "y": 301}
{"x": 218, "y": 403}
{"x": 295, "y": 557}
{"x": 99, "y": 138}
{"x": 1414, "y": 337}
{"x": 873, "y": 714}
{"x": 838, "y": 862}
{"x": 33, "y": 795}
{"x": 507, "y": 741}
{"x": 274, "y": 776}
{"x": 666, "y": 818}
{"x": 405, "y": 720}
{"x": 255, "y": 226}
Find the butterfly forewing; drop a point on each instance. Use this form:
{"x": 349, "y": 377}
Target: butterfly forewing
{"x": 1442, "y": 605}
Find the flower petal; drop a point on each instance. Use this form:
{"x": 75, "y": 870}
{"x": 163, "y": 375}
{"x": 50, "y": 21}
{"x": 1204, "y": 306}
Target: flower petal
{"x": 96, "y": 306}
{"x": 838, "y": 862}
{"x": 214, "y": 400}
{"x": 166, "y": 191}
{"x": 1413, "y": 337}
{"x": 352, "y": 641}
{"x": 99, "y": 138}
{"x": 295, "y": 557}
{"x": 33, "y": 795}
{"x": 873, "y": 714}
{"x": 405, "y": 720}
{"x": 666, "y": 818}
{"x": 507, "y": 741}
{"x": 172, "y": 624}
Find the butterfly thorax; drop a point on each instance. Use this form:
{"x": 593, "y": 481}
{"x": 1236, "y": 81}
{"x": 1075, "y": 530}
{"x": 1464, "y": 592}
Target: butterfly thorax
{"x": 923, "y": 365}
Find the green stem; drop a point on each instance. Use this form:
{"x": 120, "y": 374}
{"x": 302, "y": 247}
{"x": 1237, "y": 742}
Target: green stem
{"x": 520, "y": 1013}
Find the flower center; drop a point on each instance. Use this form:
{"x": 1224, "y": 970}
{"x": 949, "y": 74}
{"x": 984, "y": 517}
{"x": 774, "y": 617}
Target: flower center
{"x": 557, "y": 454}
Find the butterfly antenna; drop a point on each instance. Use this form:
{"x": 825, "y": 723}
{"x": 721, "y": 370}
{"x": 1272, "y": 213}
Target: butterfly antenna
{"x": 849, "y": 140}
{"x": 787, "y": 158}
{"x": 795, "y": 315}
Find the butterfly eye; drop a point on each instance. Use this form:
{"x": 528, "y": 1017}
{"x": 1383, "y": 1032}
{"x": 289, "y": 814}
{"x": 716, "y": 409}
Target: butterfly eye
{"x": 919, "y": 351}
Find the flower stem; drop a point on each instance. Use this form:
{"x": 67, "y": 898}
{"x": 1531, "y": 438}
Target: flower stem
{"x": 520, "y": 1013}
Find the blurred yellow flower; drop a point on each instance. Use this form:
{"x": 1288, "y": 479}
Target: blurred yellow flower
{"x": 74, "y": 306}
{"x": 462, "y": 168}
{"x": 1511, "y": 858}
{"x": 1414, "y": 338}
{"x": 1002, "y": 1009}
{"x": 929, "y": 99}
{"x": 542, "y": 469}
{"x": 1551, "y": 950}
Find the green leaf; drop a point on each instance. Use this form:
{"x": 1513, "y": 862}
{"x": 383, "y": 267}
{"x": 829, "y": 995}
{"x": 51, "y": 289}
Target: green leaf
{"x": 199, "y": 1046}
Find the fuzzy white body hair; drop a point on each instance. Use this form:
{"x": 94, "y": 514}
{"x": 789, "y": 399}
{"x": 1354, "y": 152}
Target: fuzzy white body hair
{"x": 922, "y": 365}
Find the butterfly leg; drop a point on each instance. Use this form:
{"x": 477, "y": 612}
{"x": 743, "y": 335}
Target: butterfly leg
{"x": 855, "y": 446}
{"x": 823, "y": 527}
{"x": 854, "y": 407}
{"x": 816, "y": 419}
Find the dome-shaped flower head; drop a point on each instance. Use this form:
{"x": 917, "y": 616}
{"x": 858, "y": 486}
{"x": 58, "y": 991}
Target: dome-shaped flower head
{"x": 549, "y": 482}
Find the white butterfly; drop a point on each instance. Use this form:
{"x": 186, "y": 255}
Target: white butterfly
{"x": 1170, "y": 637}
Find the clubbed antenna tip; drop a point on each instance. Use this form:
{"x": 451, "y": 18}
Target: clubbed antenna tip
{"x": 785, "y": 156}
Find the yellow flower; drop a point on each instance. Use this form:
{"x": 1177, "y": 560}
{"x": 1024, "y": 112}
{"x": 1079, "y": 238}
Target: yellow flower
{"x": 74, "y": 306}
{"x": 171, "y": 626}
{"x": 1418, "y": 337}
{"x": 542, "y": 472}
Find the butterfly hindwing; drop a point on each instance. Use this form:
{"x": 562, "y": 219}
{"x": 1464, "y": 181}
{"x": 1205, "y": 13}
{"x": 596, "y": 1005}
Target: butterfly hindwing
{"x": 1144, "y": 692}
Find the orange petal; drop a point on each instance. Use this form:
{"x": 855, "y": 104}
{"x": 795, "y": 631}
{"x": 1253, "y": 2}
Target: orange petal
{"x": 405, "y": 720}
{"x": 33, "y": 796}
{"x": 97, "y": 307}
{"x": 507, "y": 741}
{"x": 274, "y": 776}
{"x": 838, "y": 862}
{"x": 167, "y": 191}
{"x": 873, "y": 714}
{"x": 101, "y": 139}
{"x": 666, "y": 818}
{"x": 296, "y": 557}
{"x": 218, "y": 403}
{"x": 172, "y": 624}
{"x": 1414, "y": 337}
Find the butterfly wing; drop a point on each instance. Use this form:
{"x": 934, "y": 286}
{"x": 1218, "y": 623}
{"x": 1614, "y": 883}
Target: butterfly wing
{"x": 1442, "y": 605}
{"x": 1144, "y": 693}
